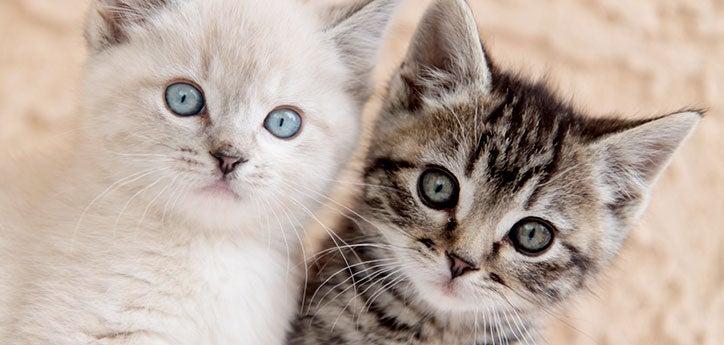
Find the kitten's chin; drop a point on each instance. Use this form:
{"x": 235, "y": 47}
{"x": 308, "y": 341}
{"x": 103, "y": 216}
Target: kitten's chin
{"x": 218, "y": 206}
{"x": 219, "y": 191}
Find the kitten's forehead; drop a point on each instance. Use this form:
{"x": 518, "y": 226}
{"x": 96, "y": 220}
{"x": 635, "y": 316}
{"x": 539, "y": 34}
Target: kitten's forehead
{"x": 236, "y": 42}
{"x": 515, "y": 134}
{"x": 522, "y": 138}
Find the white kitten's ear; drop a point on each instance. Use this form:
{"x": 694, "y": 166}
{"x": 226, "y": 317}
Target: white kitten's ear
{"x": 109, "y": 20}
{"x": 445, "y": 52}
{"x": 358, "y": 28}
{"x": 633, "y": 155}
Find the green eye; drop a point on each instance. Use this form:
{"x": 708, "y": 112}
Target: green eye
{"x": 438, "y": 189}
{"x": 531, "y": 236}
{"x": 184, "y": 99}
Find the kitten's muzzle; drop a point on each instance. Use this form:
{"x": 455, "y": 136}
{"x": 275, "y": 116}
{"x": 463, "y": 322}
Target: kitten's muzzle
{"x": 228, "y": 162}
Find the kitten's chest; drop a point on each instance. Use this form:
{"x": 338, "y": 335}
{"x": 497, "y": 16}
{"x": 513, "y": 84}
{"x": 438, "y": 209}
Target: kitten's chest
{"x": 242, "y": 294}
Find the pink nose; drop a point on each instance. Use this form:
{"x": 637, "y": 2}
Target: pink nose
{"x": 459, "y": 266}
{"x": 227, "y": 164}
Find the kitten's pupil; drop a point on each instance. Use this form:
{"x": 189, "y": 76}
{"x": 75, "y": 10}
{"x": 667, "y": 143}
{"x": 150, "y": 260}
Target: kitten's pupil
{"x": 281, "y": 122}
{"x": 439, "y": 187}
{"x": 183, "y": 99}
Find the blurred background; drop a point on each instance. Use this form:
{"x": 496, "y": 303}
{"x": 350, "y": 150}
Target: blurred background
{"x": 638, "y": 58}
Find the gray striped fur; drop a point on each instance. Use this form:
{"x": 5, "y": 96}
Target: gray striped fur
{"x": 516, "y": 151}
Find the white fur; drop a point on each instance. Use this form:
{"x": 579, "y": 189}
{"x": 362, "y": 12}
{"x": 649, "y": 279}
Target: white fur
{"x": 126, "y": 246}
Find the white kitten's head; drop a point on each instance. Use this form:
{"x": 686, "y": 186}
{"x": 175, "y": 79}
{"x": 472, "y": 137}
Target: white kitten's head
{"x": 237, "y": 108}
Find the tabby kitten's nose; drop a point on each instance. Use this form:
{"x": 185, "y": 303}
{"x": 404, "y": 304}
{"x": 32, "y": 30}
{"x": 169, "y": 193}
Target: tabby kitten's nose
{"x": 227, "y": 163}
{"x": 458, "y": 266}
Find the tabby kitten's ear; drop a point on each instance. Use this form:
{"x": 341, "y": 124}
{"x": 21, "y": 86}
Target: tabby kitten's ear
{"x": 357, "y": 28}
{"x": 445, "y": 53}
{"x": 631, "y": 157}
{"x": 109, "y": 20}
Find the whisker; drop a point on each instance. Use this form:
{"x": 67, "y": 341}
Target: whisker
{"x": 301, "y": 246}
{"x": 120, "y": 183}
{"x": 346, "y": 268}
{"x": 125, "y": 206}
{"x": 324, "y": 226}
{"x": 145, "y": 211}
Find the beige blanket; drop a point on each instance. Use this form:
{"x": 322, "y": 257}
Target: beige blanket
{"x": 640, "y": 57}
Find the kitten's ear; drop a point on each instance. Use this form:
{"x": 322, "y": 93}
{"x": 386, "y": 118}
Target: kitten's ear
{"x": 445, "y": 52}
{"x": 109, "y": 20}
{"x": 357, "y": 28}
{"x": 633, "y": 155}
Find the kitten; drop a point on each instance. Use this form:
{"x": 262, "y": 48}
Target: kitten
{"x": 486, "y": 201}
{"x": 178, "y": 218}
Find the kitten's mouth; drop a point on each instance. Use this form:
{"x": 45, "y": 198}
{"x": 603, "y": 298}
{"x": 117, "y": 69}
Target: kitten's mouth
{"x": 447, "y": 295}
{"x": 447, "y": 288}
{"x": 221, "y": 188}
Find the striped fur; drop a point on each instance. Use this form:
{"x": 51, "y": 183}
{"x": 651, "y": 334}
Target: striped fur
{"x": 516, "y": 151}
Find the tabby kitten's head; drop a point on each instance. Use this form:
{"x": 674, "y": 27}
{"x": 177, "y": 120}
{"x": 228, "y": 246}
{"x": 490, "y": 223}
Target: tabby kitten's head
{"x": 488, "y": 188}
{"x": 216, "y": 109}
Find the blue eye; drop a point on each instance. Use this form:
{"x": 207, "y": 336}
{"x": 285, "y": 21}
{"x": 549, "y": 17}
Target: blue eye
{"x": 283, "y": 123}
{"x": 184, "y": 99}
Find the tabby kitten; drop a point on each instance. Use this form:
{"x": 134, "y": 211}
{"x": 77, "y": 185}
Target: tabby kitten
{"x": 487, "y": 200}
{"x": 178, "y": 219}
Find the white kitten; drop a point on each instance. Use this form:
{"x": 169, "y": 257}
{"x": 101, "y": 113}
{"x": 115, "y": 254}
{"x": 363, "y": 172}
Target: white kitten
{"x": 214, "y": 128}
